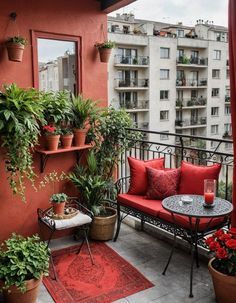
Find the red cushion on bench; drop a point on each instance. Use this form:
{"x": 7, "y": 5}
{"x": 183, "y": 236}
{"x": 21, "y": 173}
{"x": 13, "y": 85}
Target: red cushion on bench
{"x": 192, "y": 177}
{"x": 150, "y": 207}
{"x": 138, "y": 174}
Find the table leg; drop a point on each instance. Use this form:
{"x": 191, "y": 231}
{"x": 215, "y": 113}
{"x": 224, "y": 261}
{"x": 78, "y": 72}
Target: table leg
{"x": 171, "y": 253}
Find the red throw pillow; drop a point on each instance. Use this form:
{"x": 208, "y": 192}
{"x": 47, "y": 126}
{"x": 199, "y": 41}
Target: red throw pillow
{"x": 192, "y": 177}
{"x": 162, "y": 183}
{"x": 138, "y": 174}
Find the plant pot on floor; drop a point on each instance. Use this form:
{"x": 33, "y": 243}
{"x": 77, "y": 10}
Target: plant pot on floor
{"x": 52, "y": 142}
{"x": 16, "y": 296}
{"x": 104, "y": 54}
{"x": 102, "y": 227}
{"x": 66, "y": 140}
{"x": 80, "y": 136}
{"x": 224, "y": 285}
{"x": 15, "y": 51}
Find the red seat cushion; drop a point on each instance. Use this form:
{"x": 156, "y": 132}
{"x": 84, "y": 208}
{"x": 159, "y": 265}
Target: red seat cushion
{"x": 150, "y": 207}
{"x": 192, "y": 177}
{"x": 138, "y": 174}
{"x": 162, "y": 184}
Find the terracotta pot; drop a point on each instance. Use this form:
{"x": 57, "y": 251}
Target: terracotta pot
{"x": 58, "y": 208}
{"x": 66, "y": 140}
{"x": 52, "y": 142}
{"x": 224, "y": 285}
{"x": 102, "y": 228}
{"x": 80, "y": 136}
{"x": 30, "y": 296}
{"x": 104, "y": 54}
{"x": 15, "y": 51}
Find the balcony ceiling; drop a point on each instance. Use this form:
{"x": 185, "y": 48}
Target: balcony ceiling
{"x": 109, "y": 6}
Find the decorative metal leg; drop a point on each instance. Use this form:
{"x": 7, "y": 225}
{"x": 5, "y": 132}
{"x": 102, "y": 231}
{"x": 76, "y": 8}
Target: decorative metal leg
{"x": 171, "y": 254}
{"x": 118, "y": 223}
{"x": 196, "y": 255}
{"x": 142, "y": 224}
{"x": 87, "y": 242}
{"x": 81, "y": 245}
{"x": 53, "y": 268}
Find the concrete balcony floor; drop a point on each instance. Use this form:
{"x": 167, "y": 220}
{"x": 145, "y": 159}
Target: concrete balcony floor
{"x": 149, "y": 256}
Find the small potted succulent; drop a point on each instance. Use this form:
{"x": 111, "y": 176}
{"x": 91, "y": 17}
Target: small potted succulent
{"x": 66, "y": 137}
{"x": 15, "y": 48}
{"x": 104, "y": 49}
{"x": 58, "y": 201}
{"x": 23, "y": 263}
{"x": 52, "y": 136}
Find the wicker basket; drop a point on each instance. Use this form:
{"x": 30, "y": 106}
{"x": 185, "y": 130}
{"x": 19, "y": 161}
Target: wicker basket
{"x": 102, "y": 228}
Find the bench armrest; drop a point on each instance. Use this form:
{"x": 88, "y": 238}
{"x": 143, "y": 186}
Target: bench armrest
{"x": 122, "y": 184}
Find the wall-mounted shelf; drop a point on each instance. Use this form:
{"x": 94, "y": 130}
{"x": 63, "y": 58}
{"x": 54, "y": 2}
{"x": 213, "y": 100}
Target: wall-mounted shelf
{"x": 45, "y": 154}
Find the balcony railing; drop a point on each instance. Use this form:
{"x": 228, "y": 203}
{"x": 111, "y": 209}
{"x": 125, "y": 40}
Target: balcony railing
{"x": 132, "y": 60}
{"x": 180, "y": 147}
{"x": 191, "y": 122}
{"x": 227, "y": 98}
{"x": 191, "y": 82}
{"x": 141, "y": 125}
{"x": 192, "y": 60}
{"x": 132, "y": 105}
{"x": 227, "y": 135}
{"x": 131, "y": 83}
{"x": 191, "y": 102}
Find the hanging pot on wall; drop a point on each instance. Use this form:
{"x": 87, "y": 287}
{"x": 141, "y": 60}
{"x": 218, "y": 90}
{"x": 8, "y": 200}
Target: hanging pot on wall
{"x": 15, "y": 51}
{"x": 104, "y": 54}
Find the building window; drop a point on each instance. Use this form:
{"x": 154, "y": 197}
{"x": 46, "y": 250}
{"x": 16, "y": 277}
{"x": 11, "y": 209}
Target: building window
{"x": 228, "y": 128}
{"x": 164, "y": 74}
{"x": 227, "y": 110}
{"x": 180, "y": 33}
{"x": 215, "y": 92}
{"x": 164, "y": 136}
{"x": 193, "y": 94}
{"x": 164, "y": 53}
{"x": 216, "y": 55}
{"x": 164, "y": 95}
{"x": 215, "y": 111}
{"x": 227, "y": 74}
{"x": 164, "y": 115}
{"x": 216, "y": 74}
{"x": 193, "y": 131}
{"x": 228, "y": 145}
{"x": 214, "y": 129}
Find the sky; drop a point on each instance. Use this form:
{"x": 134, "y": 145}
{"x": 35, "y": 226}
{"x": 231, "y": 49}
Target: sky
{"x": 173, "y": 11}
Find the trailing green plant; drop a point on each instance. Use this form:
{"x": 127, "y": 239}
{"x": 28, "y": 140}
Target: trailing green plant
{"x": 58, "y": 198}
{"x": 105, "y": 44}
{"x": 22, "y": 259}
{"x": 21, "y": 111}
{"x": 18, "y": 40}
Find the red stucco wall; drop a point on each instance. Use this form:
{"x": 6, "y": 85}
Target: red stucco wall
{"x": 74, "y": 17}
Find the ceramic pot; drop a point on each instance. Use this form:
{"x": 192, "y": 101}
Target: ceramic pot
{"x": 66, "y": 140}
{"x": 224, "y": 285}
{"x": 80, "y": 136}
{"x": 104, "y": 54}
{"x": 58, "y": 208}
{"x": 52, "y": 142}
{"x": 15, "y": 51}
{"x": 30, "y": 296}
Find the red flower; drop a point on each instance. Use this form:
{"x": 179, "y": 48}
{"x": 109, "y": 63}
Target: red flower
{"x": 214, "y": 245}
{"x": 221, "y": 253}
{"x": 218, "y": 233}
{"x": 49, "y": 128}
{"x": 209, "y": 240}
{"x": 231, "y": 244}
{"x": 225, "y": 237}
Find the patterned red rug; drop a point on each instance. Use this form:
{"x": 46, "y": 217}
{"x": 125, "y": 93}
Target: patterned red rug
{"x": 110, "y": 279}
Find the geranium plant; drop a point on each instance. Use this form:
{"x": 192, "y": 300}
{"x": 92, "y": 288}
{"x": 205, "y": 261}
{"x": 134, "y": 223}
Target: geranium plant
{"x": 222, "y": 245}
{"x": 105, "y": 44}
{"x": 50, "y": 130}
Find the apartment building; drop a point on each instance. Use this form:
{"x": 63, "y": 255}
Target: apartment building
{"x": 171, "y": 78}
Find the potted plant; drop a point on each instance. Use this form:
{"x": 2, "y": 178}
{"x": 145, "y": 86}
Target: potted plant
{"x": 84, "y": 110}
{"x": 52, "y": 137}
{"x": 222, "y": 245}
{"x": 23, "y": 263}
{"x": 15, "y": 48}
{"x": 104, "y": 49}
{"x": 58, "y": 201}
{"x": 66, "y": 137}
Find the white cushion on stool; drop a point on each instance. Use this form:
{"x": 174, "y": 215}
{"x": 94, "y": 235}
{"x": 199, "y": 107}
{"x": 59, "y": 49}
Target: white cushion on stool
{"x": 78, "y": 220}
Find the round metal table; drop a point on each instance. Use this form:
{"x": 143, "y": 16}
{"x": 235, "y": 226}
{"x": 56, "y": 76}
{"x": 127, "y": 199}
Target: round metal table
{"x": 194, "y": 211}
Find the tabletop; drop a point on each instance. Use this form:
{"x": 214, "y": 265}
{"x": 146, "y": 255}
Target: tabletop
{"x": 195, "y": 208}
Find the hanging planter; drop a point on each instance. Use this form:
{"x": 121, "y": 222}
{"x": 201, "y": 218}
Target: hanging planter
{"x": 104, "y": 49}
{"x": 15, "y": 48}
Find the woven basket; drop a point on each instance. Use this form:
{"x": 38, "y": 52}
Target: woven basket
{"x": 102, "y": 228}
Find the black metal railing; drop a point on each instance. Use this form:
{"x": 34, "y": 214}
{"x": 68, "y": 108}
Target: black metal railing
{"x": 192, "y": 60}
{"x": 186, "y": 102}
{"x": 227, "y": 98}
{"x": 132, "y": 60}
{"x": 131, "y": 104}
{"x": 190, "y": 122}
{"x": 191, "y": 82}
{"x": 131, "y": 82}
{"x": 178, "y": 147}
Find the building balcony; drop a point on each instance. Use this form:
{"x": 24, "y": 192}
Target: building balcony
{"x": 141, "y": 125}
{"x": 131, "y": 84}
{"x": 131, "y": 61}
{"x": 227, "y": 99}
{"x": 190, "y": 83}
{"x": 135, "y": 106}
{"x": 191, "y": 123}
{"x": 191, "y": 142}
{"x": 194, "y": 102}
{"x": 192, "y": 61}
{"x": 227, "y": 135}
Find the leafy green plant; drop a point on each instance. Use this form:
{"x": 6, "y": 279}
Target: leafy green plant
{"x": 66, "y": 131}
{"x": 18, "y": 40}
{"x": 58, "y": 198}
{"x": 21, "y": 111}
{"x": 22, "y": 259}
{"x": 105, "y": 44}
